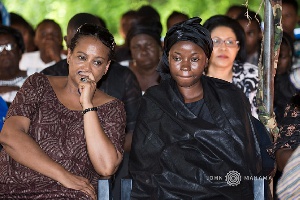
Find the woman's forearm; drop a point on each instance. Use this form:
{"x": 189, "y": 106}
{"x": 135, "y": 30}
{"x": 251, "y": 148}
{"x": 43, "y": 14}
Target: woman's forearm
{"x": 103, "y": 154}
{"x": 282, "y": 157}
{"x": 24, "y": 150}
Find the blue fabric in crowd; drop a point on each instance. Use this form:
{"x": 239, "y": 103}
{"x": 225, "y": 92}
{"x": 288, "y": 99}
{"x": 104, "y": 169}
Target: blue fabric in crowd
{"x": 297, "y": 33}
{"x": 3, "y": 111}
{"x": 4, "y": 15}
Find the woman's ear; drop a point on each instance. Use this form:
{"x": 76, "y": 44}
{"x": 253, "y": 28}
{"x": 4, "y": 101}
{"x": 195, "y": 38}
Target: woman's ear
{"x": 107, "y": 66}
{"x": 68, "y": 55}
{"x": 206, "y": 66}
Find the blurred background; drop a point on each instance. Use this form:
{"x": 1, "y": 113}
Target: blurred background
{"x": 61, "y": 11}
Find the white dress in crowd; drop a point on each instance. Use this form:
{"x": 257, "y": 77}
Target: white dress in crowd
{"x": 9, "y": 96}
{"x": 32, "y": 62}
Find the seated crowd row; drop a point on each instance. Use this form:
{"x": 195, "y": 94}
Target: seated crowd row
{"x": 170, "y": 114}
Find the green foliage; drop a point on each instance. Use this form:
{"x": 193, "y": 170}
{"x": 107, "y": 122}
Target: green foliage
{"x": 111, "y": 10}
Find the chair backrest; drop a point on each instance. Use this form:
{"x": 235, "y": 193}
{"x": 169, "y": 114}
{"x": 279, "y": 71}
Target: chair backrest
{"x": 104, "y": 189}
{"x": 259, "y": 189}
{"x": 126, "y": 185}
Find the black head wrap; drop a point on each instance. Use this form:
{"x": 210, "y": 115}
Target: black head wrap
{"x": 145, "y": 26}
{"x": 189, "y": 30}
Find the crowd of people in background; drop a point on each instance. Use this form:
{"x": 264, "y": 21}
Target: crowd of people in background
{"x": 164, "y": 105}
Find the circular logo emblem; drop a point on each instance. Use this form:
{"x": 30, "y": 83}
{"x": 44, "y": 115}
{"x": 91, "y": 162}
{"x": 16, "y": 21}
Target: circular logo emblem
{"x": 233, "y": 178}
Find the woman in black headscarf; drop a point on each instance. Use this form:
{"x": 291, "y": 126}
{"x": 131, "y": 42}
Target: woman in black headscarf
{"x": 192, "y": 139}
{"x": 145, "y": 48}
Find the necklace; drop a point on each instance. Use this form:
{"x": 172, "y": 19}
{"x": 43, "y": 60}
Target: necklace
{"x": 12, "y": 82}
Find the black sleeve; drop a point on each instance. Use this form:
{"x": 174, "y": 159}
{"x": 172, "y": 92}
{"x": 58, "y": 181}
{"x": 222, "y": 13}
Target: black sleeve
{"x": 60, "y": 68}
{"x": 132, "y": 99}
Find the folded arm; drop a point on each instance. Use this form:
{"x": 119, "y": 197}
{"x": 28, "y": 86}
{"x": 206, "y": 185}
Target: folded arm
{"x": 103, "y": 154}
{"x": 26, "y": 151}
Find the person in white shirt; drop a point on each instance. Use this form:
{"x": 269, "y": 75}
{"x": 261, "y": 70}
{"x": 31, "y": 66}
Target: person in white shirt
{"x": 49, "y": 40}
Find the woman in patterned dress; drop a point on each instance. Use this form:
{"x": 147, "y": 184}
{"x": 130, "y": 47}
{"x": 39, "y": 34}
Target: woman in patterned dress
{"x": 228, "y": 59}
{"x": 61, "y": 133}
{"x": 289, "y": 137}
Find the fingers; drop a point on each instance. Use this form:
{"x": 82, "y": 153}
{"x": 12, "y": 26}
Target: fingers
{"x": 85, "y": 186}
{"x": 86, "y": 79}
{"x": 89, "y": 190}
{"x": 86, "y": 89}
{"x": 52, "y": 50}
{"x": 79, "y": 183}
{"x": 86, "y": 74}
{"x": 91, "y": 77}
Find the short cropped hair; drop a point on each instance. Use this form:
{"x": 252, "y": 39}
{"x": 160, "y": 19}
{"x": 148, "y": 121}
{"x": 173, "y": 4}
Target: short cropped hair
{"x": 6, "y": 30}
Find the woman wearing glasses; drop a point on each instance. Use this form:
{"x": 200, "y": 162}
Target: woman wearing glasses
{"x": 185, "y": 145}
{"x": 61, "y": 133}
{"x": 11, "y": 49}
{"x": 228, "y": 59}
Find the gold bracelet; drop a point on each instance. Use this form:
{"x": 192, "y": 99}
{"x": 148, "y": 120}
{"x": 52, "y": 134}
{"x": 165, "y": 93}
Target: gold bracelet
{"x": 89, "y": 109}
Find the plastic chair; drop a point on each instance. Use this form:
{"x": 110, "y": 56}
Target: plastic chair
{"x": 260, "y": 186}
{"x": 104, "y": 189}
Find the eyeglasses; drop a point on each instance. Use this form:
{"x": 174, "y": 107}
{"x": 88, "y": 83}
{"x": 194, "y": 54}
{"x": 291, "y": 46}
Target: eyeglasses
{"x": 228, "y": 42}
{"x": 7, "y": 47}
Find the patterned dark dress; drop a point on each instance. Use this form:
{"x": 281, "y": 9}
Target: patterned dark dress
{"x": 59, "y": 132}
{"x": 289, "y": 129}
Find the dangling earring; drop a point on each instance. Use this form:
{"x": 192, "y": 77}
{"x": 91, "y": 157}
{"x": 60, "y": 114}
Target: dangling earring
{"x": 134, "y": 63}
{"x": 67, "y": 61}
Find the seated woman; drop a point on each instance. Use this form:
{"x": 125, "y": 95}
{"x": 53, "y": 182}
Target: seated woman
{"x": 145, "y": 47}
{"x": 48, "y": 39}
{"x": 26, "y": 29}
{"x": 11, "y": 49}
{"x": 284, "y": 89}
{"x": 289, "y": 137}
{"x": 190, "y": 128}
{"x": 61, "y": 133}
{"x": 228, "y": 58}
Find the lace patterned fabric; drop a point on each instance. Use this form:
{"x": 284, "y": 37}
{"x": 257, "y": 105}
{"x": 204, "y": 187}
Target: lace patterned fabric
{"x": 245, "y": 76}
